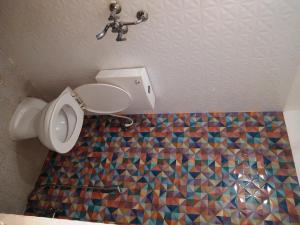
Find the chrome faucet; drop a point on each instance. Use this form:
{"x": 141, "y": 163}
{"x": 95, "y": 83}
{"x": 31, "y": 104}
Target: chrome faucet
{"x": 118, "y": 26}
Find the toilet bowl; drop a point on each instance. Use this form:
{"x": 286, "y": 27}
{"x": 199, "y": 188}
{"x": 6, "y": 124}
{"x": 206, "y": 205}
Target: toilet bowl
{"x": 58, "y": 124}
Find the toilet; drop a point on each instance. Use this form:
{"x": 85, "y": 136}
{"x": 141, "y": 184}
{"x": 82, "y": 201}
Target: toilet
{"x": 58, "y": 124}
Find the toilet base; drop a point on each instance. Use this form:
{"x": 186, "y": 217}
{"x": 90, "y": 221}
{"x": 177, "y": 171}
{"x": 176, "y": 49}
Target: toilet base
{"x": 23, "y": 124}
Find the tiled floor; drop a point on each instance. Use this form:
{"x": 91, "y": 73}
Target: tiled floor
{"x": 210, "y": 168}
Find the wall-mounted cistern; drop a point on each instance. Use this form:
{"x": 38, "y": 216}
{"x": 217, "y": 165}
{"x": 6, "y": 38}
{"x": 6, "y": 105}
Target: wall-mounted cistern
{"x": 118, "y": 26}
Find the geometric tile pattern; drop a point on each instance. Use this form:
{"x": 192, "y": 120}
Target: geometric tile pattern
{"x": 198, "y": 168}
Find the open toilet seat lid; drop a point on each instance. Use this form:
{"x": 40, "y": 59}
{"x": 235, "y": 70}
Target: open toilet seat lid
{"x": 103, "y": 98}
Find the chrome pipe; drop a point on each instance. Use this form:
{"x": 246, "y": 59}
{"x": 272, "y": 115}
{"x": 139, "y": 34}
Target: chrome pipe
{"x": 118, "y": 26}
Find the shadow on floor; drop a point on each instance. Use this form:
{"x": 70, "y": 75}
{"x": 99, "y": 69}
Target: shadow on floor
{"x": 31, "y": 155}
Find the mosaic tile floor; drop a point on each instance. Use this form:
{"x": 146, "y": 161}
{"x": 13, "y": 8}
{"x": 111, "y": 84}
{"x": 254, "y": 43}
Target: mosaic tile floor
{"x": 210, "y": 168}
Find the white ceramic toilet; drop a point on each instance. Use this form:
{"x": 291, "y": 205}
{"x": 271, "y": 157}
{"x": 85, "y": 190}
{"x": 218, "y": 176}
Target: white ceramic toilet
{"x": 58, "y": 124}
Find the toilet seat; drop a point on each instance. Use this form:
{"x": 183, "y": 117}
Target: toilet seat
{"x": 67, "y": 106}
{"x": 74, "y": 122}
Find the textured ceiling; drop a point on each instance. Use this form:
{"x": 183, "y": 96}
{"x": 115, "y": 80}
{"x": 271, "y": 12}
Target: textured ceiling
{"x": 201, "y": 55}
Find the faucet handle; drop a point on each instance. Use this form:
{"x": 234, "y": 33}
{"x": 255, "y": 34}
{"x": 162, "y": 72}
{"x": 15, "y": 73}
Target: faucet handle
{"x": 115, "y": 7}
{"x": 142, "y": 15}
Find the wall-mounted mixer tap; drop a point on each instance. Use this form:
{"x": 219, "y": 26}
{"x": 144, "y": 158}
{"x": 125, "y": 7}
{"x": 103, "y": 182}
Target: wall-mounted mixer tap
{"x": 118, "y": 26}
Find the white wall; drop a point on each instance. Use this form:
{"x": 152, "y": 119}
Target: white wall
{"x": 21, "y": 162}
{"x": 202, "y": 55}
{"x": 292, "y": 120}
